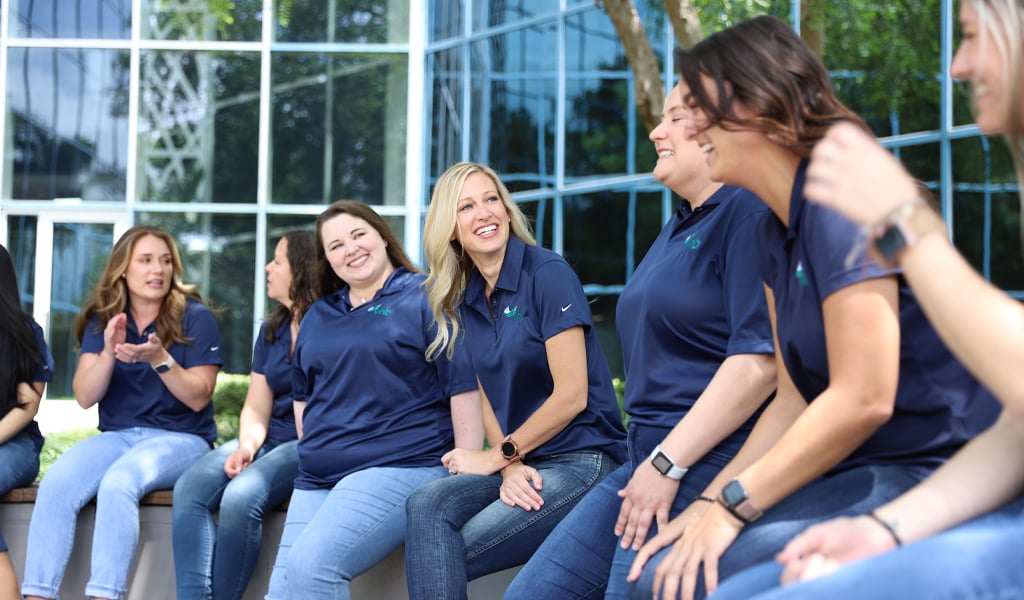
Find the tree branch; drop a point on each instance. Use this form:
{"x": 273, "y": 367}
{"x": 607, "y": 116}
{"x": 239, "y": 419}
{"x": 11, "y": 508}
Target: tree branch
{"x": 648, "y": 91}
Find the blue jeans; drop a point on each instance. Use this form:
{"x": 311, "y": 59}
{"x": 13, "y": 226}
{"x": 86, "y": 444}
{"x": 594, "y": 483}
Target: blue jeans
{"x": 979, "y": 559}
{"x": 332, "y": 536}
{"x": 851, "y": 492}
{"x": 459, "y": 529}
{"x": 582, "y": 555}
{"x": 217, "y": 559}
{"x": 19, "y": 462}
{"x": 118, "y": 468}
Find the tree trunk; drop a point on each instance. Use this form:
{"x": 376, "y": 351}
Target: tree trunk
{"x": 685, "y": 22}
{"x": 648, "y": 91}
{"x": 812, "y": 25}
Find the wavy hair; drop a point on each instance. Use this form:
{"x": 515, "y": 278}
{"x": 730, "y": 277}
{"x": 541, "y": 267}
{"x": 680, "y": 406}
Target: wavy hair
{"x": 327, "y": 280}
{"x": 1002, "y": 23}
{"x": 301, "y": 256}
{"x": 448, "y": 264}
{"x": 110, "y": 295}
{"x": 22, "y": 357}
{"x": 763, "y": 64}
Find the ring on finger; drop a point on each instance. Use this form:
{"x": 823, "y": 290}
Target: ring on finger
{"x": 453, "y": 471}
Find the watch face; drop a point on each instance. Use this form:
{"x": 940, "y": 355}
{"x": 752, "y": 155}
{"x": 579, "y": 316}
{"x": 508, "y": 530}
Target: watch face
{"x": 508, "y": 450}
{"x": 662, "y": 463}
{"x": 733, "y": 493}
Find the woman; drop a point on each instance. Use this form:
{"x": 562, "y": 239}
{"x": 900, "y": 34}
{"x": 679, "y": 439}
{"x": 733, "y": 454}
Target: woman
{"x": 869, "y": 400}
{"x": 150, "y": 352}
{"x": 950, "y": 547}
{"x": 243, "y": 479}
{"x": 550, "y": 412}
{"x": 26, "y": 369}
{"x": 697, "y": 348}
{"x": 377, "y": 415}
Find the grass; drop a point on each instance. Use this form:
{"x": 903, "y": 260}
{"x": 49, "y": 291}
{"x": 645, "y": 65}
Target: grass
{"x": 58, "y": 442}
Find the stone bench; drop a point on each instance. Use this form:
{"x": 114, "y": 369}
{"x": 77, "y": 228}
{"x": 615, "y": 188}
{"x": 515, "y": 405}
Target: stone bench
{"x": 152, "y": 576}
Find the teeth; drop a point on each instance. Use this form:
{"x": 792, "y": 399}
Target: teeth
{"x": 705, "y": 148}
{"x": 665, "y": 154}
{"x": 487, "y": 229}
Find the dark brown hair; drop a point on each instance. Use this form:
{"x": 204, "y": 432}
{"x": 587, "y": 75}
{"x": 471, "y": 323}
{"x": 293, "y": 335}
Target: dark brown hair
{"x": 302, "y": 291}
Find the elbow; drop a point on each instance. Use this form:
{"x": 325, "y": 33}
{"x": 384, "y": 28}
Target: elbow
{"x": 877, "y": 409}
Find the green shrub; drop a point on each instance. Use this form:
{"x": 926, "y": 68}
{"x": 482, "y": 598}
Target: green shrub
{"x": 56, "y": 443}
{"x": 228, "y": 398}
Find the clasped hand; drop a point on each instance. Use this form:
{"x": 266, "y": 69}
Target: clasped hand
{"x": 521, "y": 484}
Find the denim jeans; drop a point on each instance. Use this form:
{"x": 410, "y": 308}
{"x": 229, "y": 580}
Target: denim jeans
{"x": 332, "y": 536}
{"x": 217, "y": 559}
{"x": 979, "y": 559}
{"x": 851, "y": 492}
{"x": 582, "y": 555}
{"x": 118, "y": 468}
{"x": 19, "y": 462}
{"x": 459, "y": 529}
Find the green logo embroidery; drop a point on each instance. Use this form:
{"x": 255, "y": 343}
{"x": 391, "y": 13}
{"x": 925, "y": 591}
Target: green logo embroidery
{"x": 381, "y": 310}
{"x": 691, "y": 242}
{"x": 513, "y": 313}
{"x": 801, "y": 276}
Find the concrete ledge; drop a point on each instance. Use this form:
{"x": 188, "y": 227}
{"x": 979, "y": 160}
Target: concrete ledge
{"x": 152, "y": 575}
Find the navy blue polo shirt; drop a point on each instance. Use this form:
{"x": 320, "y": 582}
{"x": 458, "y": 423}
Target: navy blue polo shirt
{"x": 695, "y": 299}
{"x": 273, "y": 361}
{"x": 43, "y": 374}
{"x": 939, "y": 405}
{"x": 372, "y": 398}
{"x": 136, "y": 397}
{"x": 537, "y": 296}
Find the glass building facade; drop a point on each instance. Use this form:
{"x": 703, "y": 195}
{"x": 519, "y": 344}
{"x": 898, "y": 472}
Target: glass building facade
{"x": 229, "y": 123}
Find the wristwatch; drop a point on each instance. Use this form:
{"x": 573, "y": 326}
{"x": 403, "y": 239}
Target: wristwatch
{"x": 509, "y": 449}
{"x": 664, "y": 464}
{"x": 903, "y": 226}
{"x": 734, "y": 499}
{"x": 164, "y": 366}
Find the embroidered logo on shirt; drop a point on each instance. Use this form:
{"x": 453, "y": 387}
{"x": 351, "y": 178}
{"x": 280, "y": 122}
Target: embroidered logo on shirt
{"x": 692, "y": 242}
{"x": 567, "y": 307}
{"x": 380, "y": 309}
{"x": 801, "y": 276}
{"x": 513, "y": 313}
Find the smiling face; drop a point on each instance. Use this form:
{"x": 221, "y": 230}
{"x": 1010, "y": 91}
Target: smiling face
{"x": 679, "y": 158}
{"x": 482, "y": 222}
{"x": 979, "y": 61}
{"x": 356, "y": 252}
{"x": 279, "y": 274}
{"x": 727, "y": 151}
{"x": 150, "y": 270}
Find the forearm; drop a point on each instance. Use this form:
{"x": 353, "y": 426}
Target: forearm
{"x": 92, "y": 378}
{"x": 253, "y": 425}
{"x": 975, "y": 320}
{"x": 299, "y": 408}
{"x": 192, "y": 387}
{"x": 981, "y": 477}
{"x": 20, "y": 416}
{"x": 739, "y": 387}
{"x": 467, "y": 420}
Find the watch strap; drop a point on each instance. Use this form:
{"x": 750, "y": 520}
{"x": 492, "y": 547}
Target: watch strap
{"x": 664, "y": 464}
{"x": 166, "y": 365}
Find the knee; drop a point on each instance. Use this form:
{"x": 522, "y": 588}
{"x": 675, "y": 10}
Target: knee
{"x": 241, "y": 498}
{"x": 425, "y": 502}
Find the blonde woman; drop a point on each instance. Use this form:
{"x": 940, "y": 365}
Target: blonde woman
{"x": 550, "y": 413}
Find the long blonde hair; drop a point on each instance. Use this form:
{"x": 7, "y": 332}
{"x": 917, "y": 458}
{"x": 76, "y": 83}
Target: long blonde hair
{"x": 110, "y": 296}
{"x": 449, "y": 265}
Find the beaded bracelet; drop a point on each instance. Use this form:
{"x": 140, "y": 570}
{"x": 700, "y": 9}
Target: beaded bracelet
{"x": 704, "y": 499}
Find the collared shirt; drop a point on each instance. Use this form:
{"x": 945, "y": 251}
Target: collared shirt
{"x": 137, "y": 397}
{"x": 695, "y": 299}
{"x": 537, "y": 296}
{"x": 274, "y": 361}
{"x": 939, "y": 405}
{"x": 372, "y": 398}
{"x": 44, "y": 374}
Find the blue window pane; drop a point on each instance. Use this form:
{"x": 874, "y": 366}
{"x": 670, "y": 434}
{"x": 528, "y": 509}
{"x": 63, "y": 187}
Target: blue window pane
{"x": 234, "y": 20}
{"x": 346, "y": 21}
{"x": 78, "y": 19}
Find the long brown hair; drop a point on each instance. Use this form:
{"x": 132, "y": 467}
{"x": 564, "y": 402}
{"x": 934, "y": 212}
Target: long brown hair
{"x": 763, "y": 64}
{"x": 301, "y": 255}
{"x": 110, "y": 295}
{"x": 327, "y": 280}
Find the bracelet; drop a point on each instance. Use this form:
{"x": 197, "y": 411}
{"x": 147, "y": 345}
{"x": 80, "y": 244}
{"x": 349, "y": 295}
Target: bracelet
{"x": 703, "y": 499}
{"x": 892, "y": 531}
{"x": 900, "y": 228}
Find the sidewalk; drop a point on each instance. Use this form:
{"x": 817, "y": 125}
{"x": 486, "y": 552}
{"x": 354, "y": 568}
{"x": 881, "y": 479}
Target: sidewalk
{"x": 61, "y": 415}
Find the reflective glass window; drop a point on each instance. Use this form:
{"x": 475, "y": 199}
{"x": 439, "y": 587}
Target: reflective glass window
{"x": 347, "y": 21}
{"x": 79, "y": 19}
{"x": 203, "y": 20}
{"x": 198, "y": 126}
{"x": 339, "y": 128}
{"x": 66, "y": 126}
{"x": 448, "y": 117}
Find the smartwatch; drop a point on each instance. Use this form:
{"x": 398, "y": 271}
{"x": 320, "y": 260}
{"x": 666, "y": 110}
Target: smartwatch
{"x": 165, "y": 366}
{"x": 664, "y": 464}
{"x": 734, "y": 499}
{"x": 509, "y": 449}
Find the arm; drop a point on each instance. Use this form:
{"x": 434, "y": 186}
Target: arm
{"x": 92, "y": 377}
{"x": 976, "y": 480}
{"x": 29, "y": 395}
{"x": 467, "y": 420}
{"x": 193, "y": 387}
{"x": 738, "y": 388}
{"x": 853, "y": 174}
{"x": 253, "y": 424}
{"x": 299, "y": 407}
